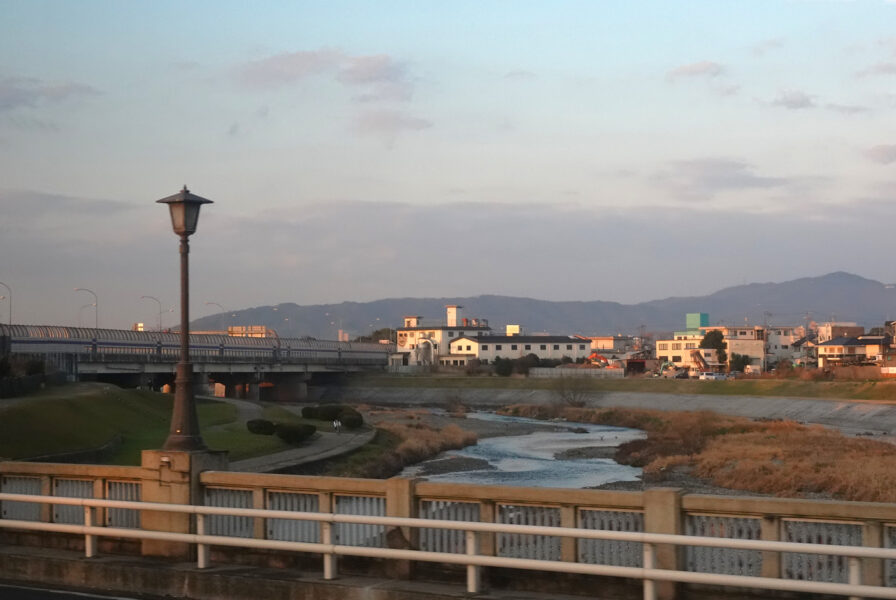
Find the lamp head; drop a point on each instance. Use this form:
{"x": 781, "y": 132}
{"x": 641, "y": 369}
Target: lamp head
{"x": 184, "y": 207}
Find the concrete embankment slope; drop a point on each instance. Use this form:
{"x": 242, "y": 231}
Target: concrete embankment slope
{"x": 853, "y": 417}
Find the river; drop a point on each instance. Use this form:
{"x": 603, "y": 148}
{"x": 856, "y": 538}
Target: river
{"x": 537, "y": 459}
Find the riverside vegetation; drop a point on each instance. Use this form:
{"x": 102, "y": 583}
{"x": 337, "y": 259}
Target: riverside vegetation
{"x": 782, "y": 458}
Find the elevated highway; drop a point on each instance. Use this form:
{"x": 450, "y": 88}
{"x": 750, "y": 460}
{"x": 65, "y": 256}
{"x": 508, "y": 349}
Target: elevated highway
{"x": 248, "y": 365}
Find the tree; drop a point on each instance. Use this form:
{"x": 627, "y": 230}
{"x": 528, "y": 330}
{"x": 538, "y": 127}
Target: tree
{"x": 503, "y": 366}
{"x": 715, "y": 340}
{"x": 739, "y": 362}
{"x": 384, "y": 333}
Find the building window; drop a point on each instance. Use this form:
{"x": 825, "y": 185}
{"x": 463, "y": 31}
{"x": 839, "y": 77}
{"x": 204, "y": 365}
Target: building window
{"x": 468, "y": 348}
{"x": 690, "y": 346}
{"x": 513, "y": 346}
{"x": 485, "y": 346}
{"x": 450, "y": 334}
{"x": 663, "y": 347}
{"x": 581, "y": 346}
{"x": 676, "y": 346}
{"x": 528, "y": 346}
{"x": 676, "y": 359}
{"x": 783, "y": 347}
{"x": 498, "y": 346}
{"x": 569, "y": 346}
{"x": 556, "y": 346}
{"x": 544, "y": 347}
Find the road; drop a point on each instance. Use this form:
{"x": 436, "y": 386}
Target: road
{"x": 25, "y": 593}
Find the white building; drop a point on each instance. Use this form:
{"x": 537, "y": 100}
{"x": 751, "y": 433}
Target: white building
{"x": 489, "y": 347}
{"x": 419, "y": 343}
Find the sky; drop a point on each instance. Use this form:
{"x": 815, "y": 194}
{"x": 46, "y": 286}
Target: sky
{"x": 596, "y": 150}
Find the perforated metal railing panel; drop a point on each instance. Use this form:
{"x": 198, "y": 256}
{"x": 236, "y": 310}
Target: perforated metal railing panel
{"x": 446, "y": 540}
{"x": 288, "y": 529}
{"x": 20, "y": 511}
{"x": 352, "y": 534}
{"x": 611, "y": 552}
{"x": 811, "y": 567}
{"x": 227, "y": 525}
{"x": 123, "y": 490}
{"x": 723, "y": 560}
{"x": 540, "y": 547}
{"x": 890, "y": 565}
{"x": 71, "y": 488}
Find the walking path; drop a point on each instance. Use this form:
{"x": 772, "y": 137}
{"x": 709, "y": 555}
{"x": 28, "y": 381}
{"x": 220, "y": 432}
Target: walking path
{"x": 322, "y": 445}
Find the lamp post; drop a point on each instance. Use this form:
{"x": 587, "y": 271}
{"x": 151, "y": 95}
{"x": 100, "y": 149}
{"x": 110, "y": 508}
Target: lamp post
{"x": 184, "y": 432}
{"x": 96, "y": 304}
{"x": 81, "y": 313}
{"x": 8, "y": 291}
{"x": 159, "y": 302}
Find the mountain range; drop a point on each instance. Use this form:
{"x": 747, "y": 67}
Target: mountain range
{"x": 836, "y": 296}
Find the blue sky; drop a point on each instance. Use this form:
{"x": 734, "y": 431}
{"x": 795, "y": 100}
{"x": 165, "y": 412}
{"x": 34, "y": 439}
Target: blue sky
{"x": 567, "y": 150}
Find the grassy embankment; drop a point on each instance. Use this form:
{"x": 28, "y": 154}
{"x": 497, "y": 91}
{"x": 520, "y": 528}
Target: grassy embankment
{"x": 881, "y": 390}
{"x": 402, "y": 439}
{"x": 84, "y": 416}
{"x": 782, "y": 458}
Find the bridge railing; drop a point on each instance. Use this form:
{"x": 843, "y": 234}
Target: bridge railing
{"x": 69, "y": 481}
{"x": 473, "y": 558}
{"x": 657, "y": 511}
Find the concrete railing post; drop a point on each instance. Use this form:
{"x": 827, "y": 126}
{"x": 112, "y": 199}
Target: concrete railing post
{"x": 401, "y": 502}
{"x": 663, "y": 514}
{"x": 770, "y": 531}
{"x": 873, "y": 568}
{"x": 172, "y": 477}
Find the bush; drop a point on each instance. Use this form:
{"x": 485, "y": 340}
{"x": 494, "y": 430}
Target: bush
{"x": 351, "y": 418}
{"x": 309, "y": 412}
{"x": 261, "y": 427}
{"x": 294, "y": 434}
{"x": 503, "y": 366}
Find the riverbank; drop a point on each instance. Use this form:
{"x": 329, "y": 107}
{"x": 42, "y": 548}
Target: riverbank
{"x": 775, "y": 457}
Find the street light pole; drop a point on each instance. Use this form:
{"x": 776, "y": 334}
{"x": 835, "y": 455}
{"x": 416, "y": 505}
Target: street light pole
{"x": 8, "y": 291}
{"x": 96, "y": 313}
{"x": 81, "y": 313}
{"x": 159, "y": 302}
{"x": 184, "y": 433}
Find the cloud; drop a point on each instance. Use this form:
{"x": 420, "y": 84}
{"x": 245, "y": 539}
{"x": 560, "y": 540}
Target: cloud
{"x": 885, "y": 68}
{"x": 287, "y": 68}
{"x": 385, "y": 78}
{"x": 793, "y": 100}
{"x": 884, "y": 154}
{"x": 847, "y": 109}
{"x": 519, "y": 75}
{"x": 381, "y": 77}
{"x": 768, "y": 45}
{"x": 704, "y": 178}
{"x": 233, "y": 130}
{"x": 703, "y": 68}
{"x": 389, "y": 122}
{"x": 727, "y": 90}
{"x": 18, "y": 92}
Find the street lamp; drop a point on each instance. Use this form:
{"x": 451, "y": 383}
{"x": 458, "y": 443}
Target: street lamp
{"x": 184, "y": 432}
{"x": 159, "y": 302}
{"x": 8, "y": 291}
{"x": 96, "y": 304}
{"x": 80, "y": 312}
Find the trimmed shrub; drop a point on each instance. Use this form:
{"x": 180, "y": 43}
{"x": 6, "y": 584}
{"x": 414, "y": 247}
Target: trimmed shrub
{"x": 294, "y": 434}
{"x": 309, "y": 412}
{"x": 261, "y": 427}
{"x": 351, "y": 419}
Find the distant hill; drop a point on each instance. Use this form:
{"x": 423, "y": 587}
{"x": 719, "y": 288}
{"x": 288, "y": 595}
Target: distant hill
{"x": 839, "y": 296}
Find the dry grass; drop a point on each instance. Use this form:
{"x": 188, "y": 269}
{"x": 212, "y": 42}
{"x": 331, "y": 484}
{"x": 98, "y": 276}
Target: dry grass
{"x": 782, "y": 458}
{"x": 402, "y": 439}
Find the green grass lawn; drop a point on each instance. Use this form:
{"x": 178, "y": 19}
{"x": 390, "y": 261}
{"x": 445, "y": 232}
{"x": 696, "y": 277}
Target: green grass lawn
{"x": 881, "y": 390}
{"x": 88, "y": 415}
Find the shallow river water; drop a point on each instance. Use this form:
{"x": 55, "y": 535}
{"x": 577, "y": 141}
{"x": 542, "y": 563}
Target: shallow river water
{"x": 531, "y": 460}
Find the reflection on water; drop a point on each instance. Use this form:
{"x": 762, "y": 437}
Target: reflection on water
{"x": 528, "y": 460}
